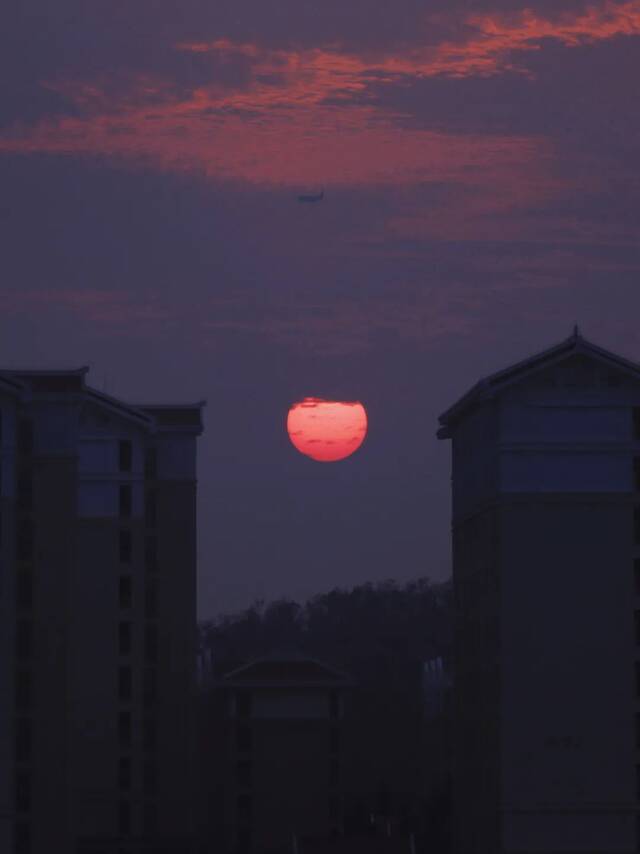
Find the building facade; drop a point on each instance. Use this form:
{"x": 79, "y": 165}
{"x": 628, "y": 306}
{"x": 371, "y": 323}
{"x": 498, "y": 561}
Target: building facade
{"x": 273, "y": 748}
{"x": 546, "y": 566}
{"x": 97, "y": 615}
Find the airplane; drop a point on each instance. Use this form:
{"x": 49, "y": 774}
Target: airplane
{"x": 312, "y": 198}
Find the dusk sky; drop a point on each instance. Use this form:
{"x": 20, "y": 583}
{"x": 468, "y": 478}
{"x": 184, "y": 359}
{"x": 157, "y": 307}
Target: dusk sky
{"x": 481, "y": 195}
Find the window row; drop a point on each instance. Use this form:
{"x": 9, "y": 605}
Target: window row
{"x": 22, "y": 837}
{"x": 125, "y": 504}
{"x": 149, "y": 774}
{"x": 125, "y": 459}
{"x": 22, "y": 791}
{"x": 150, "y": 549}
{"x": 149, "y": 685}
{"x": 125, "y": 599}
{"x": 125, "y": 731}
{"x": 125, "y": 635}
{"x": 149, "y": 818}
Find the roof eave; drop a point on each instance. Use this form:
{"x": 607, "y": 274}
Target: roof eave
{"x": 492, "y": 385}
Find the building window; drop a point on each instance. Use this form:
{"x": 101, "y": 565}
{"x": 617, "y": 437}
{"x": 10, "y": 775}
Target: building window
{"x": 124, "y": 637}
{"x": 24, "y": 589}
{"x": 22, "y": 838}
{"x": 243, "y": 837}
{"x": 151, "y": 463}
{"x": 24, "y": 497}
{"x": 149, "y": 690}
{"x": 25, "y": 437}
{"x": 124, "y": 773}
{"x": 334, "y": 740}
{"x": 124, "y": 818}
{"x": 24, "y": 639}
{"x": 124, "y": 683}
{"x": 151, "y": 642}
{"x": 149, "y": 776}
{"x": 150, "y": 818}
{"x": 334, "y": 705}
{"x": 151, "y": 508}
{"x": 124, "y": 729}
{"x": 243, "y": 704}
{"x": 125, "y": 455}
{"x": 149, "y": 734}
{"x": 244, "y": 773}
{"x": 125, "y": 545}
{"x": 244, "y": 809}
{"x": 24, "y": 543}
{"x": 125, "y": 501}
{"x": 23, "y": 689}
{"x": 334, "y": 809}
{"x": 124, "y": 591}
{"x": 23, "y": 791}
{"x": 23, "y": 739}
{"x": 150, "y": 553}
{"x": 244, "y": 740}
{"x": 151, "y": 597}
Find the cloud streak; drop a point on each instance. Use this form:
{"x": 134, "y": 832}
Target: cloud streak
{"x": 486, "y": 47}
{"x": 304, "y": 117}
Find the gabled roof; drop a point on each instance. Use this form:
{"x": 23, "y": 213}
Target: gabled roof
{"x": 287, "y": 671}
{"x": 492, "y": 385}
{"x": 185, "y": 417}
{"x": 164, "y": 417}
{"x": 126, "y": 410}
{"x": 64, "y": 381}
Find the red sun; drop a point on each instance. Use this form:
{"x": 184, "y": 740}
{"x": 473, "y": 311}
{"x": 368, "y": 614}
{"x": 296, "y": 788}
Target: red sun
{"x": 327, "y": 430}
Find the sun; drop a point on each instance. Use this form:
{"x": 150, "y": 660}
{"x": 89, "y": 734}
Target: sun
{"x": 327, "y": 430}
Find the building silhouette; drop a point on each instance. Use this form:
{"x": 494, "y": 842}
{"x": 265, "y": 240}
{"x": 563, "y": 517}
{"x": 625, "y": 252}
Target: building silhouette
{"x": 97, "y": 618}
{"x": 272, "y": 756}
{"x": 546, "y": 565}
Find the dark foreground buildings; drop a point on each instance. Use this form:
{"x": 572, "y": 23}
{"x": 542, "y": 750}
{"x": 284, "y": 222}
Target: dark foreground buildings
{"x": 273, "y": 757}
{"x": 546, "y": 552}
{"x": 97, "y": 619}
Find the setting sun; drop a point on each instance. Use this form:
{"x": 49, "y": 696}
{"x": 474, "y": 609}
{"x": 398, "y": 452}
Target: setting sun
{"x": 327, "y": 430}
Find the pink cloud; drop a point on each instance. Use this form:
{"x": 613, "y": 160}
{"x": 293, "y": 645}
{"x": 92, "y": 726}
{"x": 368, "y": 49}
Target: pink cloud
{"x": 297, "y": 124}
{"x": 485, "y": 48}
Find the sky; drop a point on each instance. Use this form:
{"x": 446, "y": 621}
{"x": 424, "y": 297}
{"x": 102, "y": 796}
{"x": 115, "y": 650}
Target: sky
{"x": 479, "y": 162}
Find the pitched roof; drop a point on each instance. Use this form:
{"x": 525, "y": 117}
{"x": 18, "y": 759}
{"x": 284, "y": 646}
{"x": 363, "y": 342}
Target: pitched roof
{"x": 63, "y": 381}
{"x": 278, "y": 671}
{"x": 492, "y": 385}
{"x": 173, "y": 417}
{"x": 179, "y": 416}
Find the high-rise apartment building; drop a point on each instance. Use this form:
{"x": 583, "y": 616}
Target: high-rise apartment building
{"x": 546, "y": 566}
{"x": 97, "y": 618}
